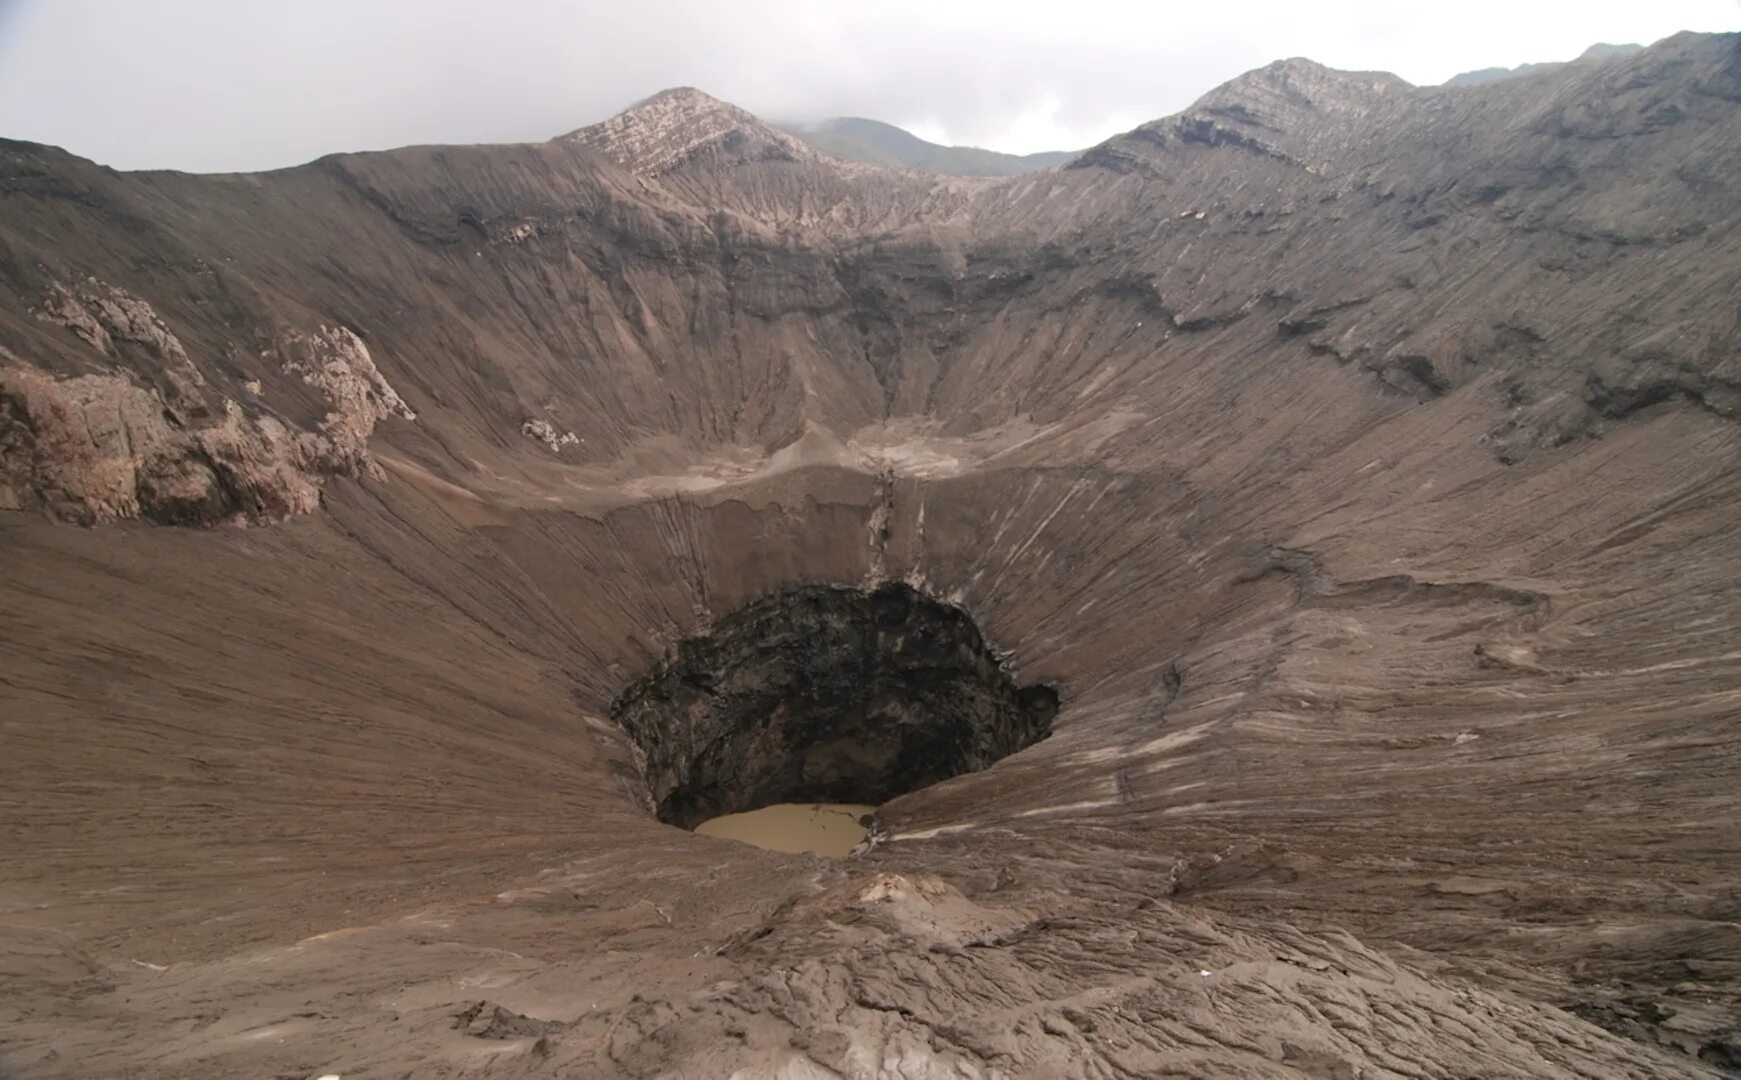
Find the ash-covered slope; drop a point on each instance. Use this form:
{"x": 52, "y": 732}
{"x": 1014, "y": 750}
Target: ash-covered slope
{"x": 1356, "y": 460}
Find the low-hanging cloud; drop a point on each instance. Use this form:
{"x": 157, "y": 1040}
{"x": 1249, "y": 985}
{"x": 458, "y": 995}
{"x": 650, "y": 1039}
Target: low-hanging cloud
{"x": 233, "y": 84}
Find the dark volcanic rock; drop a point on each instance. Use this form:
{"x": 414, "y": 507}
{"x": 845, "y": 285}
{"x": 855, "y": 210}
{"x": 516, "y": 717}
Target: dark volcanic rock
{"x": 1358, "y": 458}
{"x": 826, "y": 694}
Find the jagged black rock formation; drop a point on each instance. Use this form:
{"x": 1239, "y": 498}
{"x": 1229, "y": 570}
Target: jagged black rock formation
{"x": 827, "y": 694}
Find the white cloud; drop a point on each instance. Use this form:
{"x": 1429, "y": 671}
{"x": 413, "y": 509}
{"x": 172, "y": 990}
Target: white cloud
{"x": 215, "y": 84}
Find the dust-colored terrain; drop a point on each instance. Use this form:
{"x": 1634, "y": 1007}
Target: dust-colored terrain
{"x": 1358, "y": 462}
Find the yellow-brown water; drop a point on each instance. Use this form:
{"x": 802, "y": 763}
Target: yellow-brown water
{"x": 820, "y": 828}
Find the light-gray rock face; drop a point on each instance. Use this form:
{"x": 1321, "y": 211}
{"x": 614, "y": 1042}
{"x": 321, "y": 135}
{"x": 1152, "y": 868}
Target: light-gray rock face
{"x": 100, "y": 447}
{"x": 685, "y": 125}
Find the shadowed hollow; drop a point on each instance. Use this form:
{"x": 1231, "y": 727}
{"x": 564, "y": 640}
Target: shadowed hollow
{"x": 826, "y": 693}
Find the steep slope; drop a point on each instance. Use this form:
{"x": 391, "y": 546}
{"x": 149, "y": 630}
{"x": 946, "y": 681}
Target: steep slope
{"x": 872, "y": 142}
{"x": 1355, "y": 460}
{"x": 685, "y": 127}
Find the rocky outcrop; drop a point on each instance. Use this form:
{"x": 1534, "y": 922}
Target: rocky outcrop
{"x": 545, "y": 432}
{"x": 334, "y": 361}
{"x": 1279, "y": 112}
{"x": 98, "y": 448}
{"x": 1618, "y": 391}
{"x": 102, "y": 315}
{"x": 684, "y": 127}
{"x": 337, "y": 363}
{"x": 102, "y": 447}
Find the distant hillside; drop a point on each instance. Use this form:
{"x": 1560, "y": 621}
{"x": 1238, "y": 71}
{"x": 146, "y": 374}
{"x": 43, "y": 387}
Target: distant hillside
{"x": 876, "y": 143}
{"x": 1497, "y": 74}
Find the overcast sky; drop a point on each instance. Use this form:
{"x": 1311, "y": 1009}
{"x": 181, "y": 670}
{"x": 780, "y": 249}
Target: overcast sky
{"x": 243, "y": 84}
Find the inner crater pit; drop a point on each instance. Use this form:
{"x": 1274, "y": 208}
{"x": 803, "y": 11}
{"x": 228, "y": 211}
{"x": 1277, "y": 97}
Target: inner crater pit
{"x": 826, "y": 694}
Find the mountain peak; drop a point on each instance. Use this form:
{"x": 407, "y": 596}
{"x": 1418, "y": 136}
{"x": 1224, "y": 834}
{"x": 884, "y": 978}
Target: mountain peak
{"x": 1597, "y": 52}
{"x": 873, "y": 142}
{"x": 682, "y": 97}
{"x": 682, "y": 124}
{"x": 1282, "y": 110}
{"x": 1603, "y": 50}
{"x": 1283, "y": 90}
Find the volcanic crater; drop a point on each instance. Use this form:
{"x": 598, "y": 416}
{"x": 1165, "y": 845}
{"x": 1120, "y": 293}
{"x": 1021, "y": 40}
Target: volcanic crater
{"x": 826, "y": 694}
{"x": 1274, "y": 575}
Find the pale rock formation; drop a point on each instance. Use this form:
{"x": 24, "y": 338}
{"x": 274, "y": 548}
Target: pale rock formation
{"x": 684, "y": 124}
{"x": 335, "y": 362}
{"x": 545, "y": 432}
{"x": 102, "y": 314}
{"x": 96, "y": 448}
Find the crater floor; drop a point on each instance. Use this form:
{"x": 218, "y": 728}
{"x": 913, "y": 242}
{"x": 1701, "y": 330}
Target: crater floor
{"x": 1339, "y": 476}
{"x": 833, "y": 829}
